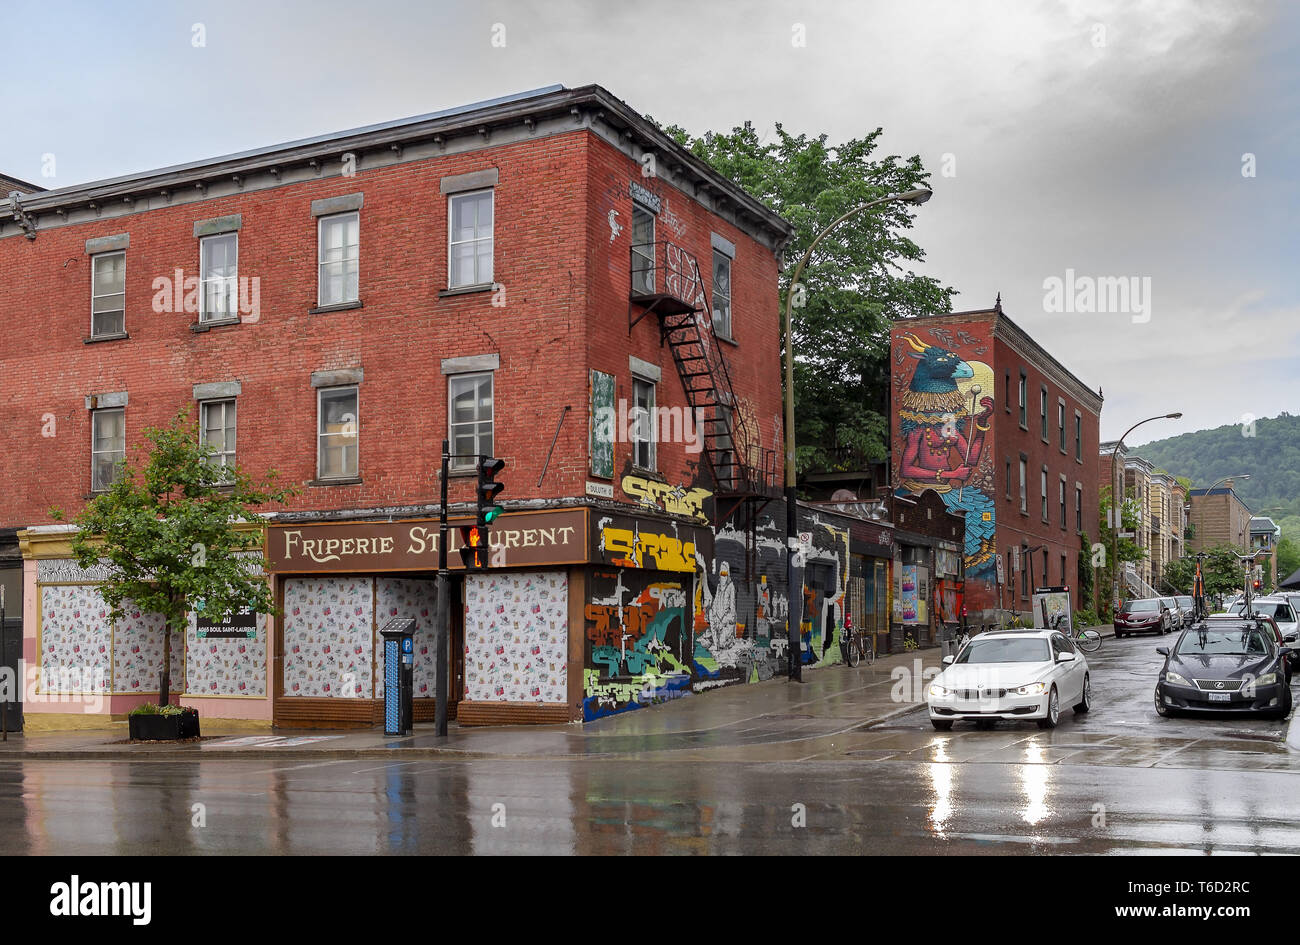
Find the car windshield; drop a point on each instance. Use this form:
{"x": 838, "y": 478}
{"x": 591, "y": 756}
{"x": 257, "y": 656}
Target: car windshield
{"x": 1186, "y": 602}
{"x": 1237, "y": 641}
{"x": 1005, "y": 650}
{"x": 1141, "y": 606}
{"x": 1276, "y": 610}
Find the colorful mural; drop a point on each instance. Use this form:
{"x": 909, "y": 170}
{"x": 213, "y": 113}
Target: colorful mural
{"x": 943, "y": 414}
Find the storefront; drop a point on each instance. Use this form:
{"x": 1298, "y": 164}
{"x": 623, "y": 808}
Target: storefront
{"x": 511, "y": 655}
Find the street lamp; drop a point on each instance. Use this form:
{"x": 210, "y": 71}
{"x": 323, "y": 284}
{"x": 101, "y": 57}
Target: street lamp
{"x": 1116, "y": 503}
{"x": 791, "y": 499}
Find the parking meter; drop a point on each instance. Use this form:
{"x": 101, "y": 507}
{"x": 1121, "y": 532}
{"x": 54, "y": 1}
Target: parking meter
{"x": 399, "y": 673}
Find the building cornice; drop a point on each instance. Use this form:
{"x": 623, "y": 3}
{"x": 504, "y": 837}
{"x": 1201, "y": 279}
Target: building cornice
{"x": 540, "y": 113}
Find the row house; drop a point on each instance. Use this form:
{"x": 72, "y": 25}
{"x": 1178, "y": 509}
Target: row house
{"x": 1004, "y": 435}
{"x": 546, "y": 278}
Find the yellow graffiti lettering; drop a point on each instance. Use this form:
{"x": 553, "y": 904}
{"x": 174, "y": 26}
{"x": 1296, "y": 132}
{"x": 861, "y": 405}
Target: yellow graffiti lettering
{"x": 675, "y": 500}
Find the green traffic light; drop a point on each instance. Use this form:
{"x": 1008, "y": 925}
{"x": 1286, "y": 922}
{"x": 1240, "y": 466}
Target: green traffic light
{"x": 489, "y": 515}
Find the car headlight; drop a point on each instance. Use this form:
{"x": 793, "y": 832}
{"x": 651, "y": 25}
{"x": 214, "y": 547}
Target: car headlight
{"x": 1033, "y": 689}
{"x": 1172, "y": 677}
{"x": 1267, "y": 679}
{"x": 936, "y": 690}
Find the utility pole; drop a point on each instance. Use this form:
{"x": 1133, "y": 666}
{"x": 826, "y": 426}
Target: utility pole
{"x": 443, "y": 610}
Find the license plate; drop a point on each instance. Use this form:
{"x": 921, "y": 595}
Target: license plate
{"x": 1220, "y": 696}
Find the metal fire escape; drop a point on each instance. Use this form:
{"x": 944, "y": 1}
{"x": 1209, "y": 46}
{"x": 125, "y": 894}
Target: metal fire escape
{"x": 666, "y": 282}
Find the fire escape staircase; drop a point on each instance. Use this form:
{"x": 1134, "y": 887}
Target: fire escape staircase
{"x": 666, "y": 282}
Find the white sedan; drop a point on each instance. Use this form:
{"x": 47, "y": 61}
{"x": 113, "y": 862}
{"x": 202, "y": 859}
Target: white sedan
{"x": 1011, "y": 674}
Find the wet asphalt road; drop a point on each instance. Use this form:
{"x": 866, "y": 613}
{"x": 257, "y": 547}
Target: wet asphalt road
{"x": 1119, "y": 780}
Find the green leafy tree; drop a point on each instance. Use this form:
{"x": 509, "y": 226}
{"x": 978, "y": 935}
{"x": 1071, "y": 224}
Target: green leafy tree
{"x": 1288, "y": 558}
{"x": 168, "y": 530}
{"x": 855, "y": 285}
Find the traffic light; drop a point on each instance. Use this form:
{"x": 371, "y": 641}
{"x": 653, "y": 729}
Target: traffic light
{"x": 473, "y": 547}
{"x": 488, "y": 487}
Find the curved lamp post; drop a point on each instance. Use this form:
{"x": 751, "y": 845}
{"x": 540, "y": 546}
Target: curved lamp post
{"x": 793, "y": 636}
{"x": 1117, "y": 504}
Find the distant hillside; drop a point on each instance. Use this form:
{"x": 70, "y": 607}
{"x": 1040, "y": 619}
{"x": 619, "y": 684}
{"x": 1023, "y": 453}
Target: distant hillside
{"x": 1271, "y": 457}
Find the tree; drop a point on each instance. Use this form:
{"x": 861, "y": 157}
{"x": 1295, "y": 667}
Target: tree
{"x": 853, "y": 287}
{"x": 168, "y": 532}
{"x": 1288, "y": 558}
{"x": 1129, "y": 550}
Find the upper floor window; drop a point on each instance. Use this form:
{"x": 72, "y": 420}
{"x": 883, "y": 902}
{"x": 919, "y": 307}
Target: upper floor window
{"x": 217, "y": 430}
{"x": 1060, "y": 422}
{"x": 721, "y": 294}
{"x": 470, "y": 243}
{"x": 219, "y": 277}
{"x": 643, "y": 415}
{"x": 1062, "y": 503}
{"x": 1024, "y": 498}
{"x": 643, "y": 250}
{"x": 107, "y": 294}
{"x": 1078, "y": 437}
{"x": 107, "y": 447}
{"x": 1042, "y": 407}
{"x": 1078, "y": 508}
{"x": 470, "y": 421}
{"x": 339, "y": 258}
{"x": 1024, "y": 401}
{"x": 1043, "y": 492}
{"x": 337, "y": 433}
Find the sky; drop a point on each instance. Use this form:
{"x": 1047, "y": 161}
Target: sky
{"x": 1071, "y": 144}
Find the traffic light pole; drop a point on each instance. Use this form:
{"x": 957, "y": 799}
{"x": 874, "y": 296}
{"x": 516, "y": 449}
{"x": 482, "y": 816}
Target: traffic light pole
{"x": 443, "y": 629}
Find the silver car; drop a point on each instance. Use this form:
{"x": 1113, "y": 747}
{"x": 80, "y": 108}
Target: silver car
{"x": 1280, "y": 609}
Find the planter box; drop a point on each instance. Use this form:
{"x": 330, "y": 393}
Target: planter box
{"x": 163, "y": 727}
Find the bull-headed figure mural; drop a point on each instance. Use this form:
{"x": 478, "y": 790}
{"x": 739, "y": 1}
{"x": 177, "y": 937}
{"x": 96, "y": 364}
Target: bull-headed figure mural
{"x": 942, "y": 442}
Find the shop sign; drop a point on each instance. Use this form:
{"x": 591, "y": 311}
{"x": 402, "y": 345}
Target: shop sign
{"x": 240, "y": 625}
{"x": 517, "y": 539}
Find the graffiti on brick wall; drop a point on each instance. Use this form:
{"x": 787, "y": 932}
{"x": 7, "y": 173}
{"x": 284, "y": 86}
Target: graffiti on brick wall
{"x": 634, "y": 548}
{"x": 675, "y": 500}
{"x": 637, "y": 642}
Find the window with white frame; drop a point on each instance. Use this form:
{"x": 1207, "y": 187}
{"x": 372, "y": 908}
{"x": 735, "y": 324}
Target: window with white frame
{"x": 643, "y": 423}
{"x": 1024, "y": 488}
{"x": 107, "y": 294}
{"x": 338, "y": 258}
{"x": 219, "y": 277}
{"x": 470, "y": 243}
{"x": 217, "y": 430}
{"x": 337, "y": 433}
{"x": 1043, "y": 492}
{"x": 107, "y": 446}
{"x": 722, "y": 294}
{"x": 1062, "y": 497}
{"x": 469, "y": 422}
{"x": 643, "y": 250}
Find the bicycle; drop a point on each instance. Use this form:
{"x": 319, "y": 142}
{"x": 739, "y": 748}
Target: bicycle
{"x": 854, "y": 645}
{"x": 1087, "y": 640}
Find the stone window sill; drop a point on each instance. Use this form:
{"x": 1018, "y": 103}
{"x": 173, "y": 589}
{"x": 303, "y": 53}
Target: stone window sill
{"x": 466, "y": 290}
{"x": 115, "y": 336}
{"x": 336, "y": 307}
{"x": 198, "y": 327}
{"x": 353, "y": 481}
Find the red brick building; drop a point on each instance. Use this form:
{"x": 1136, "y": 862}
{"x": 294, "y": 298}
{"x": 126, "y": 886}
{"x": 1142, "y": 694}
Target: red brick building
{"x": 518, "y": 276}
{"x": 1007, "y": 437}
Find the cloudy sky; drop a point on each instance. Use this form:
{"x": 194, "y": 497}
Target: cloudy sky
{"x": 1151, "y": 141}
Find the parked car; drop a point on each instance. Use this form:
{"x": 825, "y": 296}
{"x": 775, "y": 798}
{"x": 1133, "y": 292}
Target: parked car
{"x": 1277, "y": 607}
{"x": 1189, "y": 609}
{"x": 1177, "y": 616}
{"x": 1143, "y": 615}
{"x": 1011, "y": 674}
{"x": 1224, "y": 665}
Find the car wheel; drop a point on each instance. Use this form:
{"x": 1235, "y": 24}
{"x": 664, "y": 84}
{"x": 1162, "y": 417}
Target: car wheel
{"x": 1285, "y": 710}
{"x": 1085, "y": 702}
{"x": 1053, "y": 710}
{"x": 1161, "y": 709}
{"x": 942, "y": 725}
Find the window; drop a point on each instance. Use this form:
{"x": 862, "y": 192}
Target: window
{"x": 643, "y": 417}
{"x": 1042, "y": 407}
{"x": 217, "y": 430}
{"x": 1024, "y": 498}
{"x": 1008, "y": 479}
{"x": 1063, "y": 561}
{"x": 1060, "y": 421}
{"x": 1078, "y": 507}
{"x": 1006, "y": 391}
{"x": 1043, "y": 492}
{"x": 1024, "y": 401}
{"x": 338, "y": 259}
{"x": 470, "y": 245}
{"x": 337, "y": 433}
{"x": 1078, "y": 437}
{"x": 643, "y": 250}
{"x": 107, "y": 447}
{"x": 1062, "y": 503}
{"x": 721, "y": 294}
{"x": 219, "y": 277}
{"x": 470, "y": 422}
{"x": 107, "y": 294}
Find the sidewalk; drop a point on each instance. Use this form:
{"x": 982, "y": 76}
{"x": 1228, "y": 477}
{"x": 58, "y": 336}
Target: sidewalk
{"x": 830, "y": 701}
